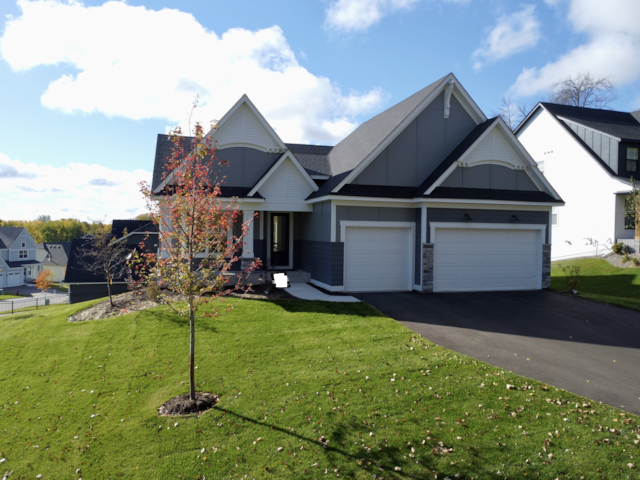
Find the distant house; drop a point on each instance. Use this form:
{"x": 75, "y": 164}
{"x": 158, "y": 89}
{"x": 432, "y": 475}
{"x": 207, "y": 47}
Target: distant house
{"x": 18, "y": 260}
{"x": 54, "y": 256}
{"x": 589, "y": 155}
{"x": 85, "y": 285}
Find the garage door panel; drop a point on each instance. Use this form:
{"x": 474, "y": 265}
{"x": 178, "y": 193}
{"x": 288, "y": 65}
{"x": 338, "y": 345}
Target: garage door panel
{"x": 377, "y": 259}
{"x": 486, "y": 259}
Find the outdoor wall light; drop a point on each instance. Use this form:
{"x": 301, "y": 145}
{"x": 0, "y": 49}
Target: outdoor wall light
{"x": 467, "y": 218}
{"x": 514, "y": 218}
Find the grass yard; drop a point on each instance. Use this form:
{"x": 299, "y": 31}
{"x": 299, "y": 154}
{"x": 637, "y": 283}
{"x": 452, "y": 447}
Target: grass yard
{"x": 601, "y": 281}
{"x": 9, "y": 297}
{"x": 392, "y": 404}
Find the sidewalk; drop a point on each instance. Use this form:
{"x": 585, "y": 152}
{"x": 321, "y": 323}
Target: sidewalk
{"x": 31, "y": 290}
{"x": 307, "y": 292}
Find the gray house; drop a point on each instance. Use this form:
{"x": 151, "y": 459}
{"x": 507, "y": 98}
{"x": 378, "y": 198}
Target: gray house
{"x": 429, "y": 195}
{"x": 18, "y": 262}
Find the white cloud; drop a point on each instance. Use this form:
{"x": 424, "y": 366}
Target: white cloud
{"x": 138, "y": 63}
{"x": 512, "y": 34}
{"x": 612, "y": 48}
{"x": 76, "y": 190}
{"x": 360, "y": 15}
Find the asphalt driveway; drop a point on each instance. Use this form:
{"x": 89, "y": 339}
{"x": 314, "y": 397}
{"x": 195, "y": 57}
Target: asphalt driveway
{"x": 582, "y": 346}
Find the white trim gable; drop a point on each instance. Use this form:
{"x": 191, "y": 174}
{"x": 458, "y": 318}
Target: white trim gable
{"x": 244, "y": 125}
{"x": 285, "y": 186}
{"x": 498, "y": 146}
{"x": 453, "y": 87}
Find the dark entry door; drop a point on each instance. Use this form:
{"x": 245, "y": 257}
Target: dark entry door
{"x": 279, "y": 239}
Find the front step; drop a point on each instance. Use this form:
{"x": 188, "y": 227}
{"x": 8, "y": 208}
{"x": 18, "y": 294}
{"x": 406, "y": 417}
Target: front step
{"x": 298, "y": 276}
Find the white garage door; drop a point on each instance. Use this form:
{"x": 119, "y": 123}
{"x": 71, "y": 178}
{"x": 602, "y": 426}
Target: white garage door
{"x": 377, "y": 259}
{"x": 14, "y": 279}
{"x": 482, "y": 260}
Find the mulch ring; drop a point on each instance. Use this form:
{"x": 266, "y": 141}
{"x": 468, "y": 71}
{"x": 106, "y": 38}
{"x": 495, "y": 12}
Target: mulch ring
{"x": 618, "y": 260}
{"x": 182, "y": 405}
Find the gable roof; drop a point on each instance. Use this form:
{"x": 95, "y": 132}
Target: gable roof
{"x": 58, "y": 253}
{"x": 357, "y": 146}
{"x": 622, "y": 125}
{"x": 9, "y": 235}
{"x": 164, "y": 149}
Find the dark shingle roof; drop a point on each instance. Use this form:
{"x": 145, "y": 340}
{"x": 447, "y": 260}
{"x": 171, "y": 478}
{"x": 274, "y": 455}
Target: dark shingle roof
{"x": 58, "y": 253}
{"x": 164, "y": 149}
{"x": 118, "y": 227}
{"x": 618, "y": 124}
{"x": 490, "y": 194}
{"x": 351, "y": 151}
{"x": 8, "y": 235}
{"x": 314, "y": 158}
{"x": 19, "y": 263}
{"x": 75, "y": 273}
{"x": 327, "y": 186}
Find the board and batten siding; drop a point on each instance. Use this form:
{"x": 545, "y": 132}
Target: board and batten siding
{"x": 605, "y": 146}
{"x": 14, "y": 251}
{"x": 420, "y": 147}
{"x": 487, "y": 216}
{"x": 494, "y": 177}
{"x": 323, "y": 260}
{"x": 245, "y": 165}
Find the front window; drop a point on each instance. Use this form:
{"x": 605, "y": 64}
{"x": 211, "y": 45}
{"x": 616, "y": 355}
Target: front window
{"x": 632, "y": 159}
{"x": 554, "y": 215}
{"x": 22, "y": 254}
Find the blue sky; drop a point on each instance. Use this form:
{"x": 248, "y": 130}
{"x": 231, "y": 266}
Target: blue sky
{"x": 87, "y": 86}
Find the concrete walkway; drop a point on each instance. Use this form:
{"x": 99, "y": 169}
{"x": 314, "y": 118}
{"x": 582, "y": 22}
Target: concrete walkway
{"x": 31, "y": 290}
{"x": 307, "y": 292}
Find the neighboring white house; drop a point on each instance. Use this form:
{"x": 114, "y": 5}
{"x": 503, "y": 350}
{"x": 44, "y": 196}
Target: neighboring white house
{"x": 18, "y": 261}
{"x": 54, "y": 256}
{"x": 589, "y": 156}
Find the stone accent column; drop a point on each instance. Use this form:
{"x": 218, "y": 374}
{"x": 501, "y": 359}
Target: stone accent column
{"x": 546, "y": 265}
{"x": 427, "y": 267}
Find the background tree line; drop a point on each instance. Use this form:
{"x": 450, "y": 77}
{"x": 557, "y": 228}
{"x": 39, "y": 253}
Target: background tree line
{"x": 43, "y": 229}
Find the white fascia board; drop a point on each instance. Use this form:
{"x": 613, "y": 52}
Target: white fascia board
{"x": 391, "y": 137}
{"x": 245, "y": 100}
{"x": 275, "y": 166}
{"x": 296, "y": 206}
{"x": 525, "y": 120}
{"x": 589, "y": 128}
{"x": 342, "y": 200}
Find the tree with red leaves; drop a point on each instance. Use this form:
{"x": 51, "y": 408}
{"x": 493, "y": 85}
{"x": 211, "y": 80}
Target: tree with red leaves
{"x": 196, "y": 249}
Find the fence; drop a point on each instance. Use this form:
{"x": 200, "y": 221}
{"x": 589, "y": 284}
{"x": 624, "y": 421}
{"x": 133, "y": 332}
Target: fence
{"x": 31, "y": 303}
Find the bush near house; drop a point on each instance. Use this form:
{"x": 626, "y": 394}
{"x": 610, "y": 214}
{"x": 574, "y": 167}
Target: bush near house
{"x": 307, "y": 389}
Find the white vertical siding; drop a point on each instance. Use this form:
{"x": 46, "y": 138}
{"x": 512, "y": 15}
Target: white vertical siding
{"x": 286, "y": 184}
{"x": 494, "y": 147}
{"x": 243, "y": 127}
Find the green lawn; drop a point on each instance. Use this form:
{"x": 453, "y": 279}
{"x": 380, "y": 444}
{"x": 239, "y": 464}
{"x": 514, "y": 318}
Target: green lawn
{"x": 601, "y": 281}
{"x": 85, "y": 395}
{"x": 9, "y": 297}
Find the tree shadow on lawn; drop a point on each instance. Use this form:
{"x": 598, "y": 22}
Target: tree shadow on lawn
{"x": 162, "y": 314}
{"x": 329, "y": 308}
{"x": 538, "y": 313}
{"x": 382, "y": 462}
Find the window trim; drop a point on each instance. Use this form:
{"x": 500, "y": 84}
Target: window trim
{"x": 634, "y": 160}
{"x": 23, "y": 254}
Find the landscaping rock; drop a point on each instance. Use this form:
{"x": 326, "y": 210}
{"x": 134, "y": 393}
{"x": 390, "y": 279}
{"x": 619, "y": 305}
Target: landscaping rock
{"x": 183, "y": 405}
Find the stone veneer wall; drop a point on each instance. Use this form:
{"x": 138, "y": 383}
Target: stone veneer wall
{"x": 427, "y": 267}
{"x": 546, "y": 265}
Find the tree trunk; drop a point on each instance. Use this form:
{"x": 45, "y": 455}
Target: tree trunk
{"x": 192, "y": 327}
{"x": 109, "y": 290}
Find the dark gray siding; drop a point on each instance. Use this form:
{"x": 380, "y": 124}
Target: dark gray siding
{"x": 315, "y": 226}
{"x": 486, "y": 216}
{"x": 246, "y": 165}
{"x": 421, "y": 146}
{"x": 259, "y": 251}
{"x": 490, "y": 176}
{"x": 418, "y": 246}
{"x": 603, "y": 145}
{"x": 82, "y": 293}
{"x": 372, "y": 214}
{"x": 323, "y": 260}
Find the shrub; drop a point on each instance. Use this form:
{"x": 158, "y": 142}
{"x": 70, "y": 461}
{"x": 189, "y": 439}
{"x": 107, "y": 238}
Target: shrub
{"x": 635, "y": 261}
{"x": 153, "y": 292}
{"x": 619, "y": 248}
{"x": 572, "y": 272}
{"x": 626, "y": 258}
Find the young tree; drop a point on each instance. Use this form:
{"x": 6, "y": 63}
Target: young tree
{"x": 196, "y": 251}
{"x": 584, "y": 91}
{"x": 632, "y": 207}
{"x": 44, "y": 281}
{"x": 511, "y": 113}
{"x": 105, "y": 256}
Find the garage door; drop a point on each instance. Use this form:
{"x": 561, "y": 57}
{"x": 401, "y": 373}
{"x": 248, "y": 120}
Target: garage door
{"x": 377, "y": 259}
{"x": 14, "y": 279}
{"x": 482, "y": 260}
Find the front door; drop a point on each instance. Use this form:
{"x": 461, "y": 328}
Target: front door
{"x": 279, "y": 240}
